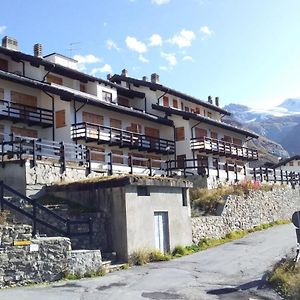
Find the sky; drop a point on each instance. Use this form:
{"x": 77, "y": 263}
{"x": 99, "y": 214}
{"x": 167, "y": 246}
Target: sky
{"x": 243, "y": 51}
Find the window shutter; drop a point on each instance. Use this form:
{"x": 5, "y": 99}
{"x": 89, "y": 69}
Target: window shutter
{"x": 3, "y": 65}
{"x": 60, "y": 117}
{"x": 92, "y": 118}
{"x": 24, "y": 99}
{"x": 54, "y": 79}
{"x": 165, "y": 101}
{"x": 179, "y": 134}
{"x": 24, "y": 132}
{"x": 200, "y": 133}
{"x": 115, "y": 123}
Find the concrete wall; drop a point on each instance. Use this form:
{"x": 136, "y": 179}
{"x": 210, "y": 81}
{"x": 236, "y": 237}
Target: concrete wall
{"x": 240, "y": 212}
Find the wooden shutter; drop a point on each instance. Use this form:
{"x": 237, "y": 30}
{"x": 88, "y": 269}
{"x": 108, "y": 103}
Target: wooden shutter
{"x": 138, "y": 162}
{"x": 134, "y": 127}
{"x": 237, "y": 141}
{"x": 24, "y": 99}
{"x": 186, "y": 108}
{"x": 152, "y": 132}
{"x": 227, "y": 138}
{"x": 97, "y": 154}
{"x": 197, "y": 110}
{"x": 117, "y": 159}
{"x": 92, "y": 118}
{"x": 214, "y": 135}
{"x": 1, "y": 132}
{"x": 115, "y": 123}
{"x": 123, "y": 101}
{"x": 165, "y": 101}
{"x": 60, "y": 117}
{"x": 82, "y": 87}
{"x": 200, "y": 132}
{"x": 24, "y": 132}
{"x": 179, "y": 134}
{"x": 155, "y": 164}
{"x": 54, "y": 79}
{"x": 3, "y": 65}
{"x": 175, "y": 103}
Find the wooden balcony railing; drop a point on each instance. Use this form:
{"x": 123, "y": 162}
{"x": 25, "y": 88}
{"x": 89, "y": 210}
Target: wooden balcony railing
{"x": 118, "y": 137}
{"x": 222, "y": 148}
{"x": 30, "y": 115}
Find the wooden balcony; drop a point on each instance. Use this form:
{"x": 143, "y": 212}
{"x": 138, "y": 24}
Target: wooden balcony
{"x": 222, "y": 148}
{"x": 100, "y": 134}
{"x": 20, "y": 113}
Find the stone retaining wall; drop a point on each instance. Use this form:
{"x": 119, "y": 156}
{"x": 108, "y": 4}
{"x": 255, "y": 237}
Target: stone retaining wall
{"x": 246, "y": 212}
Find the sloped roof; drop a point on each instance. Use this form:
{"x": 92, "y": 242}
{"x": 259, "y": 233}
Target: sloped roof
{"x": 287, "y": 160}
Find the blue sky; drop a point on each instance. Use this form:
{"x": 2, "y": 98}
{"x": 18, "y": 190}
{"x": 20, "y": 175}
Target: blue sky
{"x": 243, "y": 51}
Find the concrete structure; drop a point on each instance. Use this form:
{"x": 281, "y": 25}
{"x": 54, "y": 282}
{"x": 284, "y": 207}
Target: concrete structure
{"x": 140, "y": 212}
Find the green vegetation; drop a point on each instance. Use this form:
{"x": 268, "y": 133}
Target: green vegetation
{"x": 206, "y": 202}
{"x": 285, "y": 278}
{"x": 91, "y": 274}
{"x": 143, "y": 256}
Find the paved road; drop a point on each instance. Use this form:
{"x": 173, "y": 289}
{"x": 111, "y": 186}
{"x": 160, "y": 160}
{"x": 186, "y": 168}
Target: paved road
{"x": 231, "y": 271}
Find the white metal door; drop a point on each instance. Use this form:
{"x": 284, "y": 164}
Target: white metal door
{"x": 161, "y": 227}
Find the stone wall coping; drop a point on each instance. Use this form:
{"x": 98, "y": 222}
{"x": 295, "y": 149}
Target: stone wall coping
{"x": 118, "y": 181}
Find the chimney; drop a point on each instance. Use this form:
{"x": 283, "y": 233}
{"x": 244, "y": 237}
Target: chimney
{"x": 154, "y": 78}
{"x": 38, "y": 50}
{"x": 108, "y": 76}
{"x": 124, "y": 73}
{"x": 217, "y": 101}
{"x": 209, "y": 100}
{"x": 145, "y": 78}
{"x": 10, "y": 43}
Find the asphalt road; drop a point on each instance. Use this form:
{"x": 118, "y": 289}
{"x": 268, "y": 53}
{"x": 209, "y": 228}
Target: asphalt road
{"x": 234, "y": 270}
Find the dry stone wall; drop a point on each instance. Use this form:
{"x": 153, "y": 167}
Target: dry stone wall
{"x": 246, "y": 212}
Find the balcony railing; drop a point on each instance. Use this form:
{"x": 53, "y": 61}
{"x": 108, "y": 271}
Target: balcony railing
{"x": 118, "y": 137}
{"x": 223, "y": 148}
{"x": 30, "y": 115}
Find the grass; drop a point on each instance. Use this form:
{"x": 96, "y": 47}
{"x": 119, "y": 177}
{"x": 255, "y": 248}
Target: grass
{"x": 143, "y": 256}
{"x": 285, "y": 278}
{"x": 206, "y": 202}
{"x": 91, "y": 274}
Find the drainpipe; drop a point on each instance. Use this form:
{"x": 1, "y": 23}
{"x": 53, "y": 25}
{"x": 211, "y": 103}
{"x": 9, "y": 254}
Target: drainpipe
{"x": 166, "y": 92}
{"x": 53, "y": 128}
{"x": 52, "y": 67}
{"x": 76, "y": 110}
{"x": 145, "y": 105}
{"x": 23, "y": 67}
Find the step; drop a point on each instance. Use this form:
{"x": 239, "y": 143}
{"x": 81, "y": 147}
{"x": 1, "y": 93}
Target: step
{"x": 110, "y": 267}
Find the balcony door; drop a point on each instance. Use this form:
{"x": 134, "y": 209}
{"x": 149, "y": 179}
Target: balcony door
{"x": 20, "y": 103}
{"x": 152, "y": 133}
{"x": 93, "y": 120}
{"x": 200, "y": 132}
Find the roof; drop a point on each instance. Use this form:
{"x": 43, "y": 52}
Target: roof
{"x": 285, "y": 161}
{"x": 190, "y": 115}
{"x": 68, "y": 94}
{"x": 65, "y": 71}
{"x": 157, "y": 86}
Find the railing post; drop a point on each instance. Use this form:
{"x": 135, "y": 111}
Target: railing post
{"x": 281, "y": 176}
{"x": 34, "y": 153}
{"x": 130, "y": 164}
{"x": 274, "y": 175}
{"x": 254, "y": 174}
{"x": 184, "y": 167}
{"x": 245, "y": 171}
{"x": 91, "y": 231}
{"x": 88, "y": 160}
{"x": 1, "y": 196}
{"x": 62, "y": 156}
{"x": 218, "y": 169}
{"x": 227, "y": 171}
{"x": 267, "y": 174}
{"x": 34, "y": 218}
{"x": 150, "y": 166}
{"x": 110, "y": 166}
{"x": 261, "y": 174}
{"x": 287, "y": 177}
{"x": 236, "y": 172}
{"x": 298, "y": 178}
{"x": 68, "y": 227}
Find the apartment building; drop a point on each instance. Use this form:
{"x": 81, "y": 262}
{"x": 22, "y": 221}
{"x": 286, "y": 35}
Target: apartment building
{"x": 46, "y": 97}
{"x": 204, "y": 143}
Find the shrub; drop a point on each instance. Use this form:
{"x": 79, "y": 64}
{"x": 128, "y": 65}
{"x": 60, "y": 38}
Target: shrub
{"x": 179, "y": 251}
{"x": 140, "y": 257}
{"x": 156, "y": 255}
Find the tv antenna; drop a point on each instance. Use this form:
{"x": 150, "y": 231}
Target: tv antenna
{"x": 72, "y": 47}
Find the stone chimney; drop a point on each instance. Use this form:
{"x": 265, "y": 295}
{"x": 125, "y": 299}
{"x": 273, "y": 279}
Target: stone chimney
{"x": 217, "y": 101}
{"x": 154, "y": 78}
{"x": 124, "y": 73}
{"x": 38, "y": 50}
{"x": 209, "y": 100}
{"x": 145, "y": 78}
{"x": 10, "y": 43}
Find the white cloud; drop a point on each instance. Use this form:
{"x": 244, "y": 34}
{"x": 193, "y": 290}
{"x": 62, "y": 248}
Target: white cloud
{"x": 188, "y": 57}
{"x": 155, "y": 40}
{"x": 110, "y": 44}
{"x": 160, "y": 2}
{"x": 133, "y": 44}
{"x": 2, "y": 29}
{"x": 105, "y": 69}
{"x": 183, "y": 38}
{"x": 170, "y": 58}
{"x": 143, "y": 59}
{"x": 87, "y": 59}
{"x": 205, "y": 30}
{"x": 163, "y": 68}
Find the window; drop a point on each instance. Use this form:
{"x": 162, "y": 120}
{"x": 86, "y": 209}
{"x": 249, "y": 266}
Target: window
{"x": 175, "y": 103}
{"x": 165, "y": 101}
{"x": 24, "y": 99}
{"x": 123, "y": 101}
{"x": 179, "y": 134}
{"x": 209, "y": 114}
{"x": 184, "y": 196}
{"x": 237, "y": 141}
{"x": 181, "y": 161}
{"x": 60, "y": 117}
{"x": 115, "y": 123}
{"x": 181, "y": 106}
{"x": 227, "y": 138}
{"x": 106, "y": 96}
{"x": 143, "y": 191}
{"x": 200, "y": 132}
{"x": 3, "y": 65}
{"x": 134, "y": 127}
{"x": 82, "y": 87}
{"x": 92, "y": 118}
{"x": 291, "y": 163}
{"x": 1, "y": 94}
{"x": 152, "y": 132}
{"x": 214, "y": 135}
{"x": 298, "y": 162}
{"x": 197, "y": 110}
{"x": 54, "y": 79}
{"x": 186, "y": 108}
